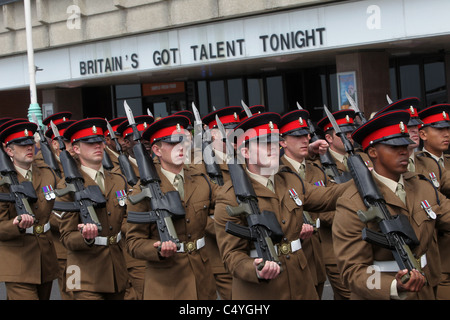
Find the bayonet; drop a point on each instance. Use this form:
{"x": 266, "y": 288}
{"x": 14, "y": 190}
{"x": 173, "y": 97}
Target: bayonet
{"x": 299, "y": 106}
{"x": 389, "y": 100}
{"x": 247, "y": 109}
{"x": 355, "y": 108}
{"x": 347, "y": 144}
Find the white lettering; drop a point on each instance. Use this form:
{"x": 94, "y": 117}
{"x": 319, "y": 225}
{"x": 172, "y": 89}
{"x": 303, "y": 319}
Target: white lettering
{"x": 374, "y": 20}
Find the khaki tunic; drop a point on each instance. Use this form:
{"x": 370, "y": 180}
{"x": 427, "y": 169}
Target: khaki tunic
{"x": 184, "y": 276}
{"x": 355, "y": 255}
{"x": 28, "y": 258}
{"x": 102, "y": 268}
{"x": 295, "y": 281}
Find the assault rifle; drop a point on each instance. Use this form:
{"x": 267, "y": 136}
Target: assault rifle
{"x": 163, "y": 206}
{"x": 124, "y": 163}
{"x": 212, "y": 168}
{"x": 20, "y": 193}
{"x": 47, "y": 154}
{"x": 86, "y": 198}
{"x": 326, "y": 160}
{"x": 263, "y": 228}
{"x": 396, "y": 232}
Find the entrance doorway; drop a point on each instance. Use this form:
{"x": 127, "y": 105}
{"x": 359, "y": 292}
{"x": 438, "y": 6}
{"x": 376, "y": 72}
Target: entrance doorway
{"x": 163, "y": 99}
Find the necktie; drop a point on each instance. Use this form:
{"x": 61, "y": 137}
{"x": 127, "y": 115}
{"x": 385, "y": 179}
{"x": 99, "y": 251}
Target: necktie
{"x": 345, "y": 162}
{"x": 178, "y": 184}
{"x": 411, "y": 166}
{"x": 99, "y": 180}
{"x": 28, "y": 175}
{"x": 270, "y": 185}
{"x": 400, "y": 192}
{"x": 301, "y": 171}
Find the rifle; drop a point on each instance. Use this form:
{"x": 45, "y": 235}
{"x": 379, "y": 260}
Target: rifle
{"x": 20, "y": 193}
{"x": 212, "y": 168}
{"x": 86, "y": 198}
{"x": 124, "y": 163}
{"x": 326, "y": 160}
{"x": 263, "y": 228}
{"x": 47, "y": 154}
{"x": 164, "y": 206}
{"x": 396, "y": 232}
{"x": 106, "y": 161}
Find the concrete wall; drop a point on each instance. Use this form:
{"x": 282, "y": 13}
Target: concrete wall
{"x": 64, "y": 22}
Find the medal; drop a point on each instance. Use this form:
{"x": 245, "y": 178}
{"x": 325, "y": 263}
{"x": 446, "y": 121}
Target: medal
{"x": 426, "y": 206}
{"x": 48, "y": 192}
{"x": 121, "y": 197}
{"x": 295, "y": 197}
{"x": 319, "y": 183}
{"x": 434, "y": 179}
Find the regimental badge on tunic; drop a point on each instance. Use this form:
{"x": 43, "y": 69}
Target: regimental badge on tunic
{"x": 426, "y": 206}
{"x": 49, "y": 193}
{"x": 434, "y": 179}
{"x": 122, "y": 197}
{"x": 295, "y": 197}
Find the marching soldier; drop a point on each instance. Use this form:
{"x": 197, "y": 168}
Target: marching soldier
{"x": 295, "y": 142}
{"x": 229, "y": 118}
{"x": 172, "y": 273}
{"x": 435, "y": 133}
{"x": 385, "y": 139}
{"x": 281, "y": 192}
{"x": 98, "y": 255}
{"x": 28, "y": 265}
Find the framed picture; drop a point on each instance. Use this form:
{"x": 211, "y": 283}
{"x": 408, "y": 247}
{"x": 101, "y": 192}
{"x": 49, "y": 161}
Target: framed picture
{"x": 346, "y": 82}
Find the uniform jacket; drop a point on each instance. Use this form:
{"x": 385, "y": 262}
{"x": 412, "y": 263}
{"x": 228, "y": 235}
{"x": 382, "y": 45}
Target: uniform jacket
{"x": 356, "y": 255}
{"x": 102, "y": 268}
{"x": 295, "y": 281}
{"x": 28, "y": 258}
{"x": 184, "y": 275}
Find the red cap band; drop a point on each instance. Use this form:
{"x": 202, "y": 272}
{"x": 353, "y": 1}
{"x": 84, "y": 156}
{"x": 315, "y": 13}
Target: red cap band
{"x": 296, "y": 124}
{"x": 17, "y": 135}
{"x": 225, "y": 119}
{"x": 258, "y": 131}
{"x": 442, "y": 116}
{"x": 140, "y": 126}
{"x": 384, "y": 132}
{"x": 341, "y": 121}
{"x": 165, "y": 132}
{"x": 92, "y": 131}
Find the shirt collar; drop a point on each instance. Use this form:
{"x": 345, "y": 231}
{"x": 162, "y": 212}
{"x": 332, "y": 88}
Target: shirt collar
{"x": 171, "y": 176}
{"x": 261, "y": 179}
{"x": 92, "y": 172}
{"x": 338, "y": 156}
{"x": 22, "y": 171}
{"x": 391, "y": 184}
{"x": 295, "y": 163}
{"x": 434, "y": 156}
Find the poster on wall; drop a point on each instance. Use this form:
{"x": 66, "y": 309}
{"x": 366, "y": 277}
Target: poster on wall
{"x": 346, "y": 82}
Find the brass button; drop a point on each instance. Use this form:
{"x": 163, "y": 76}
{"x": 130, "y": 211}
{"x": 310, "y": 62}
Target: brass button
{"x": 38, "y": 229}
{"x": 190, "y": 246}
{"x": 112, "y": 239}
{"x": 285, "y": 248}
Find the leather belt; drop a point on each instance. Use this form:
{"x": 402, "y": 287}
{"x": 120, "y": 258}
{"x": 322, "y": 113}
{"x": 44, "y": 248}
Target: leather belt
{"x": 282, "y": 248}
{"x": 192, "y": 245}
{"x": 38, "y": 229}
{"x": 106, "y": 241}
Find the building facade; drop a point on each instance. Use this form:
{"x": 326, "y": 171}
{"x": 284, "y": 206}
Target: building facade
{"x": 163, "y": 55}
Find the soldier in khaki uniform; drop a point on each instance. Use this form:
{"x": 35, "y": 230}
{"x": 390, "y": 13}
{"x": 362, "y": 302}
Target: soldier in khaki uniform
{"x": 435, "y": 133}
{"x": 170, "y": 273}
{"x": 283, "y": 193}
{"x": 98, "y": 255}
{"x": 295, "y": 143}
{"x": 28, "y": 263}
{"x": 370, "y": 271}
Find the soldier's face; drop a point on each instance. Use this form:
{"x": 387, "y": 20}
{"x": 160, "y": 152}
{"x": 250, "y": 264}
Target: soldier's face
{"x": 170, "y": 154}
{"x": 262, "y": 158}
{"x": 414, "y": 135}
{"x": 90, "y": 154}
{"x": 389, "y": 161}
{"x": 22, "y": 156}
{"x": 335, "y": 141}
{"x": 296, "y": 147}
{"x": 436, "y": 140}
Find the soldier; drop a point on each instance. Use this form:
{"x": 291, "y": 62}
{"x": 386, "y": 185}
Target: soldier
{"x": 28, "y": 265}
{"x": 98, "y": 255}
{"x": 435, "y": 133}
{"x": 295, "y": 143}
{"x": 229, "y": 118}
{"x": 283, "y": 193}
{"x": 385, "y": 139}
{"x": 55, "y": 217}
{"x": 170, "y": 273}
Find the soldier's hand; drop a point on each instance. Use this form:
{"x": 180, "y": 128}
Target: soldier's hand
{"x": 415, "y": 282}
{"x": 23, "y": 221}
{"x": 307, "y": 231}
{"x": 167, "y": 248}
{"x": 271, "y": 269}
{"x": 319, "y": 146}
{"x": 89, "y": 230}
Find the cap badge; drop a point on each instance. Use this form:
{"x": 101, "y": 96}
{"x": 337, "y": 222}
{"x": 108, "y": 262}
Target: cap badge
{"x": 94, "y": 129}
{"x": 270, "y": 125}
{"x": 300, "y": 120}
{"x": 445, "y": 115}
{"x": 26, "y": 132}
{"x": 64, "y": 119}
{"x": 235, "y": 116}
{"x": 402, "y": 127}
{"x": 347, "y": 118}
{"x": 145, "y": 124}
{"x": 412, "y": 109}
{"x": 178, "y": 127}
